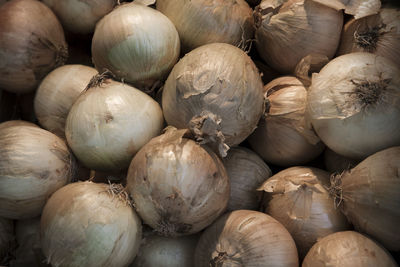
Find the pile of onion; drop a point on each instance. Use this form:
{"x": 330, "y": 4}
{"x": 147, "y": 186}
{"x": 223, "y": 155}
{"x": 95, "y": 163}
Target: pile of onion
{"x": 56, "y": 94}
{"x": 217, "y": 92}
{"x": 33, "y": 164}
{"x": 354, "y": 104}
{"x": 369, "y": 196}
{"x": 178, "y": 187}
{"x": 246, "y": 238}
{"x": 283, "y": 137}
{"x": 32, "y": 43}
{"x": 89, "y": 224}
{"x": 6, "y": 237}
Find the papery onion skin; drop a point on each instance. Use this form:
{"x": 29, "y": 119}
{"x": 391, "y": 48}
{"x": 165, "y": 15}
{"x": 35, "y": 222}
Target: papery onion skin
{"x": 32, "y": 43}
{"x": 56, "y": 94}
{"x": 34, "y": 163}
{"x": 246, "y": 238}
{"x": 178, "y": 186}
{"x": 348, "y": 249}
{"x": 336, "y": 163}
{"x": 203, "y": 22}
{"x": 6, "y": 237}
{"x": 354, "y": 104}
{"x": 369, "y": 196}
{"x": 137, "y": 44}
{"x": 85, "y": 224}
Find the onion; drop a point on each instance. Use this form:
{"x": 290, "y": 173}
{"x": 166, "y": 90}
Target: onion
{"x": 33, "y": 164}
{"x": 80, "y": 16}
{"x": 289, "y": 30}
{"x": 203, "y": 22}
{"x": 110, "y": 122}
{"x": 246, "y": 172}
{"x": 137, "y": 43}
{"x": 348, "y": 249}
{"x": 336, "y": 163}
{"x": 354, "y": 104}
{"x": 369, "y": 196}
{"x": 16, "y": 123}
{"x": 297, "y": 198}
{"x": 216, "y": 91}
{"x": 89, "y": 224}
{"x": 6, "y": 237}
{"x": 282, "y": 136}
{"x": 246, "y": 238}
{"x": 56, "y": 94}
{"x": 32, "y": 43}
{"x": 178, "y": 186}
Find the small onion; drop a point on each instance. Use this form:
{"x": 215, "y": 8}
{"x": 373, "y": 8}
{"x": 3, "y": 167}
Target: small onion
{"x": 246, "y": 172}
{"x": 369, "y": 196}
{"x": 336, "y": 163}
{"x": 203, "y": 22}
{"x": 33, "y": 164}
{"x": 56, "y": 94}
{"x": 354, "y": 104}
{"x": 136, "y": 43}
{"x": 109, "y": 123}
{"x": 217, "y": 92}
{"x": 89, "y": 224}
{"x": 297, "y": 198}
{"x": 32, "y": 43}
{"x": 6, "y": 237}
{"x": 178, "y": 186}
{"x": 347, "y": 249}
{"x": 246, "y": 238}
{"x": 289, "y": 30}
{"x": 282, "y": 136}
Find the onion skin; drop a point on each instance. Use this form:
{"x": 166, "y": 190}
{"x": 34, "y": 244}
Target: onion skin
{"x": 347, "y": 249}
{"x": 32, "y": 43}
{"x": 16, "y": 123}
{"x": 246, "y": 238}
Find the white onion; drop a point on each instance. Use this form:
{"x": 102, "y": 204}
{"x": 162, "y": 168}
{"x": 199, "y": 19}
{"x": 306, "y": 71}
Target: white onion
{"x": 6, "y": 237}
{"x": 336, "y": 163}
{"x": 354, "y": 104}
{"x": 89, "y": 224}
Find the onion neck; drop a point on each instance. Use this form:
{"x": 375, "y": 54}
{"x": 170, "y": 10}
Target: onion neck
{"x": 369, "y": 94}
{"x": 368, "y": 39}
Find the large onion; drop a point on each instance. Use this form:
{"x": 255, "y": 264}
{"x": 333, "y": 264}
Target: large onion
{"x": 297, "y": 198}
{"x": 89, "y": 224}
{"x": 369, "y": 195}
{"x": 217, "y": 92}
{"x": 109, "y": 123}
{"x": 282, "y": 136}
{"x": 6, "y": 237}
{"x": 32, "y": 43}
{"x": 178, "y": 186}
{"x": 136, "y": 43}
{"x": 246, "y": 238}
{"x": 202, "y": 22}
{"x": 33, "y": 164}
{"x": 354, "y": 104}
{"x": 347, "y": 249}
{"x": 246, "y": 172}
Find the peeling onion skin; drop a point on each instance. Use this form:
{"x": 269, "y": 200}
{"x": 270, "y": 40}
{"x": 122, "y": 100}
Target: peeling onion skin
{"x": 32, "y": 43}
{"x": 6, "y": 237}
{"x": 369, "y": 196}
{"x": 83, "y": 224}
{"x": 246, "y": 238}
{"x": 178, "y": 186}
{"x": 348, "y": 249}
{"x": 34, "y": 163}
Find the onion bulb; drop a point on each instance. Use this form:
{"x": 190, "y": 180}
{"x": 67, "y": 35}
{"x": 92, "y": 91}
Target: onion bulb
{"x": 217, "y": 92}
{"x": 246, "y": 172}
{"x": 203, "y": 22}
{"x": 283, "y": 136}
{"x": 32, "y": 43}
{"x": 246, "y": 238}
{"x": 6, "y": 237}
{"x": 289, "y": 30}
{"x": 369, "y": 196}
{"x": 33, "y": 164}
{"x": 110, "y": 122}
{"x": 354, "y": 104}
{"x": 136, "y": 43}
{"x": 297, "y": 198}
{"x": 347, "y": 249}
{"x": 56, "y": 94}
{"x": 89, "y": 224}
{"x": 178, "y": 186}
{"x": 336, "y": 163}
